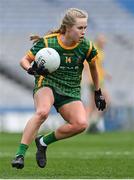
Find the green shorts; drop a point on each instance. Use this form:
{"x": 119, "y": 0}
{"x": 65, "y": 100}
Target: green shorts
{"x": 60, "y": 100}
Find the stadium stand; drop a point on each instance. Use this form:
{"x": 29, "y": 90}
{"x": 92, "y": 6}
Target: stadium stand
{"x": 12, "y": 94}
{"x": 19, "y": 19}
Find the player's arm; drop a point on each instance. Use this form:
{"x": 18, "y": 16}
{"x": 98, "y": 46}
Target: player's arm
{"x": 98, "y": 97}
{"x": 94, "y": 73}
{"x": 32, "y": 69}
{"x": 30, "y": 57}
{"x": 91, "y": 58}
{"x": 25, "y": 62}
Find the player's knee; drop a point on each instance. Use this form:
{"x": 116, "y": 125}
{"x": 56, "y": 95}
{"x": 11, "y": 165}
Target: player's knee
{"x": 81, "y": 126}
{"x": 42, "y": 114}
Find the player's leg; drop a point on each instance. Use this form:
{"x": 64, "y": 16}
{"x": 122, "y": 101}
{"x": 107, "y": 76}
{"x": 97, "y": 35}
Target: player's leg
{"x": 74, "y": 113}
{"x": 43, "y": 101}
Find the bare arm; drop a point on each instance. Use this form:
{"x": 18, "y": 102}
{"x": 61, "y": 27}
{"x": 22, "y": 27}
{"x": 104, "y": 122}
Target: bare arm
{"x": 94, "y": 74}
{"x": 98, "y": 97}
{"x": 26, "y": 62}
{"x": 34, "y": 69}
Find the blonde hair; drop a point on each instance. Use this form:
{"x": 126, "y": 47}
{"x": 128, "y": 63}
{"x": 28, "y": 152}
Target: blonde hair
{"x": 68, "y": 20}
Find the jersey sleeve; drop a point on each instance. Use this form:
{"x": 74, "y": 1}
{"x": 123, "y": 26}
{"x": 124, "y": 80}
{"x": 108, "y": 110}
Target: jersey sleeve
{"x": 92, "y": 53}
{"x": 36, "y": 47}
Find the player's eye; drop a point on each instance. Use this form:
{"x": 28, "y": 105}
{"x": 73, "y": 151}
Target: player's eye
{"x": 81, "y": 27}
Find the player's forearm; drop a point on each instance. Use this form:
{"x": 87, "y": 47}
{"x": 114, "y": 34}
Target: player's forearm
{"x": 25, "y": 63}
{"x": 94, "y": 75}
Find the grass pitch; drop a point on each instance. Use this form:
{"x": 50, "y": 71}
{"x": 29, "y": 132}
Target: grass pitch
{"x": 85, "y": 156}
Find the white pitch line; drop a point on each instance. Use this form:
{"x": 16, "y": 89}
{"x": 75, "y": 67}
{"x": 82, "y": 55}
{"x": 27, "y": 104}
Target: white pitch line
{"x": 77, "y": 154}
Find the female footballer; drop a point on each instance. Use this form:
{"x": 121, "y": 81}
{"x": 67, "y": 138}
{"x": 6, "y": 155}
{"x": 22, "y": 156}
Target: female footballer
{"x": 60, "y": 88}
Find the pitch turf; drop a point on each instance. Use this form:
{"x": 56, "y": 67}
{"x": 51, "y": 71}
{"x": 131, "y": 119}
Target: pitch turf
{"x": 108, "y": 155}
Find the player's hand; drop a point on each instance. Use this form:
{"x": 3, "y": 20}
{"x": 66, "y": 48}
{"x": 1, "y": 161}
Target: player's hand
{"x": 99, "y": 100}
{"x": 34, "y": 70}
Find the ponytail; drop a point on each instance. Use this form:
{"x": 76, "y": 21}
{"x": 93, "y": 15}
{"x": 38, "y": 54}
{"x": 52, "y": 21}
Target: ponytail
{"x": 61, "y": 30}
{"x": 35, "y": 38}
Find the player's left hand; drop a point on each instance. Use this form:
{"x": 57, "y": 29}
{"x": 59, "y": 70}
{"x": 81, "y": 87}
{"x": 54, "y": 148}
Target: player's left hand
{"x": 99, "y": 100}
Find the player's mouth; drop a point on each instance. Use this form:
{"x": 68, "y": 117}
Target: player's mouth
{"x": 81, "y": 38}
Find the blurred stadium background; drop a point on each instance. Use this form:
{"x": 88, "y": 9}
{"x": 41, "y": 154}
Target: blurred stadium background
{"x": 19, "y": 19}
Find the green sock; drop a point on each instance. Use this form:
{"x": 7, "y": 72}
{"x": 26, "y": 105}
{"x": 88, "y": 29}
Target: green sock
{"x": 49, "y": 138}
{"x": 22, "y": 149}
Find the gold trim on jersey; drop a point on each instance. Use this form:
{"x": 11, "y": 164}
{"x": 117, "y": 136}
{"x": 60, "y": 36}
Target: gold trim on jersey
{"x": 51, "y": 35}
{"x": 89, "y": 50}
{"x": 40, "y": 81}
{"x": 94, "y": 58}
{"x": 46, "y": 42}
{"x": 30, "y": 54}
{"x": 64, "y": 46}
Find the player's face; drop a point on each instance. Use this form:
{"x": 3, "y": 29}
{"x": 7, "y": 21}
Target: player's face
{"x": 77, "y": 31}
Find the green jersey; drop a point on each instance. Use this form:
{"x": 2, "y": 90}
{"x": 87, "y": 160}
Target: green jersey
{"x": 67, "y": 78}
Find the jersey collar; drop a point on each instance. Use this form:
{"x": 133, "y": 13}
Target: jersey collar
{"x": 64, "y": 46}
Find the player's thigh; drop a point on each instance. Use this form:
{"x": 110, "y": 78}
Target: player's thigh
{"x": 44, "y": 98}
{"x": 73, "y": 112}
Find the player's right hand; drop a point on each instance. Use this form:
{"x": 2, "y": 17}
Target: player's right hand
{"x": 34, "y": 70}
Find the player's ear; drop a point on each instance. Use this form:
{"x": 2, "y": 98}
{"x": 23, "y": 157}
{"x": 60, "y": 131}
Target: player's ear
{"x": 68, "y": 28}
